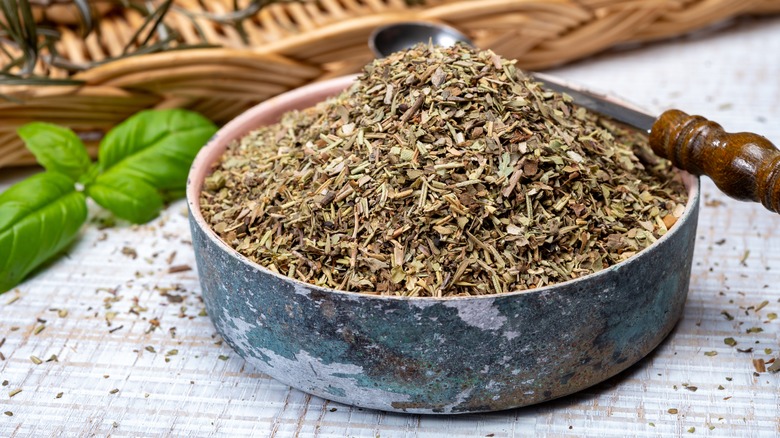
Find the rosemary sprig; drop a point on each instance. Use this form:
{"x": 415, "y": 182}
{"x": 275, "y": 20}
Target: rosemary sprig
{"x": 154, "y": 23}
{"x": 27, "y": 43}
{"x": 19, "y": 25}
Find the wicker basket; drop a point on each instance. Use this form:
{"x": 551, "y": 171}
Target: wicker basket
{"x": 291, "y": 44}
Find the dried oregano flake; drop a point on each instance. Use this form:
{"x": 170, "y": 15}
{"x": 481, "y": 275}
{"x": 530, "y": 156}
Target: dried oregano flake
{"x": 441, "y": 172}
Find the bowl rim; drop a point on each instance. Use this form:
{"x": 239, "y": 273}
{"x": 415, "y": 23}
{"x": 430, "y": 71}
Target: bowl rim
{"x": 232, "y": 131}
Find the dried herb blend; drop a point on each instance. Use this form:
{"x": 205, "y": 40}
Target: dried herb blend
{"x": 441, "y": 172}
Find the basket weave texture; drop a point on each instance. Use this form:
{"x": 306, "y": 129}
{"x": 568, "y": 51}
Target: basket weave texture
{"x": 287, "y": 45}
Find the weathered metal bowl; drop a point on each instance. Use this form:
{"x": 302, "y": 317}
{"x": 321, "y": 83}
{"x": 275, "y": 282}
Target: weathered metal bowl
{"x": 436, "y": 355}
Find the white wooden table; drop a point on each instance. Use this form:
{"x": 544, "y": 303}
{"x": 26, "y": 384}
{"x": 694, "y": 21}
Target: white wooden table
{"x": 136, "y": 357}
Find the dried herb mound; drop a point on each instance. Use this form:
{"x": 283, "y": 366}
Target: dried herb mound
{"x": 441, "y": 172}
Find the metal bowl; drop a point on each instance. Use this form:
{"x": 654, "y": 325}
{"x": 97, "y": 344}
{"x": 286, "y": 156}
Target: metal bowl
{"x": 436, "y": 355}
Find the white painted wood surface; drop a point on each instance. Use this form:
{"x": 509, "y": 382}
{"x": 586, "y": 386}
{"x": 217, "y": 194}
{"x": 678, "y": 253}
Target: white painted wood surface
{"x": 732, "y": 76}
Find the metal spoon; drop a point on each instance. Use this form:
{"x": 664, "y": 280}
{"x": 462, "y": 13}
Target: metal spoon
{"x": 743, "y": 165}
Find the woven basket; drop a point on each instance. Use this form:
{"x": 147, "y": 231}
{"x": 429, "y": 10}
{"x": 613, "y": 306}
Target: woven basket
{"x": 291, "y": 44}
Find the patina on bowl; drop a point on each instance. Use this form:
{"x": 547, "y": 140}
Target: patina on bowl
{"x": 436, "y": 355}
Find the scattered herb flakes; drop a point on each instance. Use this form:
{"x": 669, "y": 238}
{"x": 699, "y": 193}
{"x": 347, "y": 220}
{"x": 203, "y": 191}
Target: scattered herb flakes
{"x": 179, "y": 268}
{"x": 9, "y": 413}
{"x": 116, "y": 329}
{"x": 13, "y": 299}
{"x": 759, "y": 365}
{"x": 729, "y": 379}
{"x": 174, "y": 298}
{"x": 223, "y": 357}
{"x": 651, "y": 424}
{"x": 110, "y": 317}
{"x": 710, "y": 353}
{"x": 730, "y": 342}
{"x": 173, "y": 352}
{"x": 130, "y": 252}
{"x": 727, "y": 398}
{"x": 203, "y": 312}
{"x": 150, "y": 349}
{"x": 114, "y": 391}
{"x": 755, "y": 330}
{"x": 744, "y": 257}
{"x": 105, "y": 223}
{"x": 59, "y": 395}
{"x": 691, "y": 388}
{"x": 775, "y": 367}
{"x": 39, "y": 329}
{"x": 721, "y": 388}
{"x": 36, "y": 360}
{"x": 154, "y": 324}
{"x": 761, "y": 306}
{"x": 746, "y": 350}
{"x": 13, "y": 392}
{"x": 672, "y": 411}
{"x": 441, "y": 172}
{"x": 767, "y": 351}
{"x": 62, "y": 313}
{"x": 727, "y": 315}
{"x": 5, "y": 383}
{"x": 771, "y": 316}
{"x": 691, "y": 429}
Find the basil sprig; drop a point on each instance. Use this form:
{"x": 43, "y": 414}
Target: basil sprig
{"x": 141, "y": 162}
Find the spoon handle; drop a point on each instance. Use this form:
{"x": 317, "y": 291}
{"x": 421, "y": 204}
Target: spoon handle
{"x": 743, "y": 165}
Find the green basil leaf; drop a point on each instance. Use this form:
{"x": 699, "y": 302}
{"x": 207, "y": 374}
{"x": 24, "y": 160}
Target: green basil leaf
{"x": 38, "y": 218}
{"x": 56, "y": 148}
{"x": 156, "y": 146}
{"x": 127, "y": 197}
{"x": 89, "y": 176}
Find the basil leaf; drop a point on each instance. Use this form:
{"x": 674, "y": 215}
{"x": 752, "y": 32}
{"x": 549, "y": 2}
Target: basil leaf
{"x": 89, "y": 176}
{"x": 56, "y": 148}
{"x": 38, "y": 218}
{"x": 127, "y": 197}
{"x": 156, "y": 146}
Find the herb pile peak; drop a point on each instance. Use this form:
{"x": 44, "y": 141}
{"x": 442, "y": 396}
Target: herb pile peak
{"x": 441, "y": 172}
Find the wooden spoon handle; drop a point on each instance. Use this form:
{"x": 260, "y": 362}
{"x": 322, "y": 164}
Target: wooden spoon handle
{"x": 743, "y": 165}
